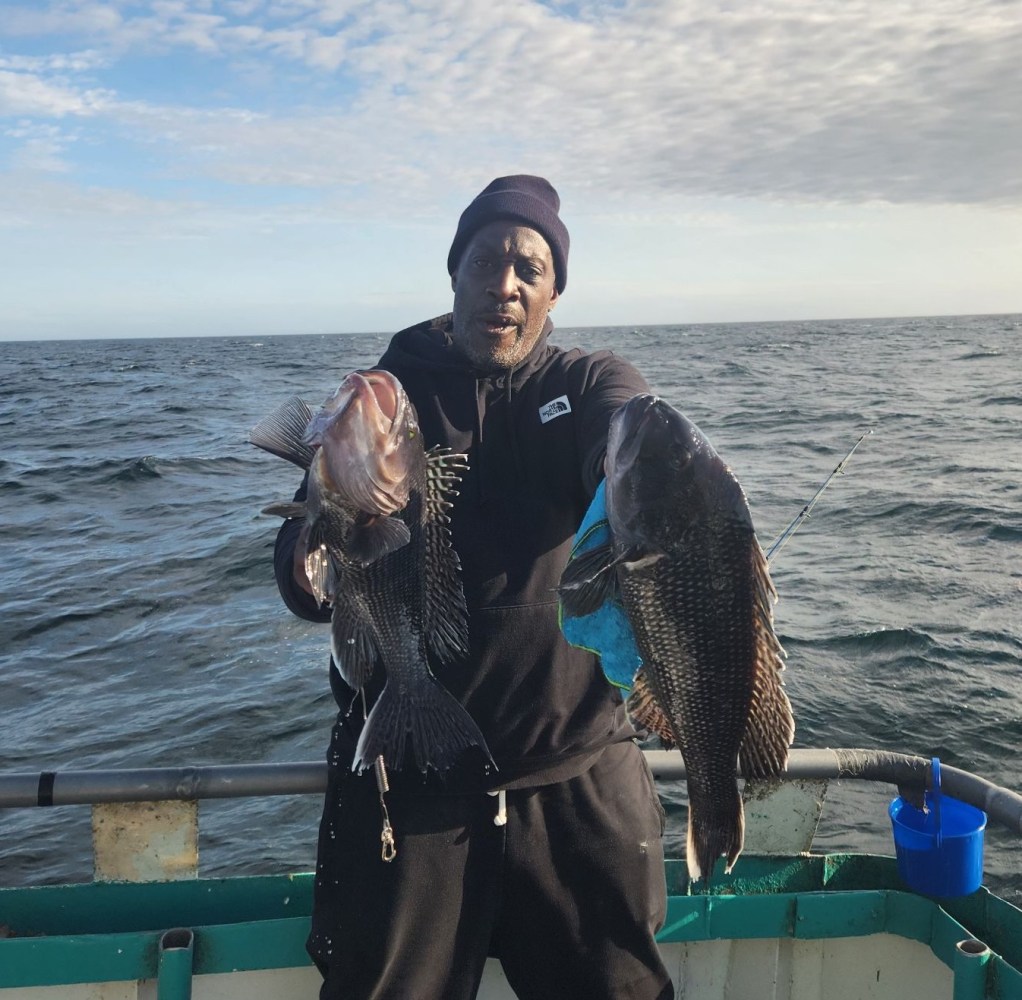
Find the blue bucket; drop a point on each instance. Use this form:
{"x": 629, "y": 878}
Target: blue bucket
{"x": 940, "y": 851}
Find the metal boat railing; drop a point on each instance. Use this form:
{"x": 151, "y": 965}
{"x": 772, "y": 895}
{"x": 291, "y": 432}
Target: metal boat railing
{"x": 58, "y": 788}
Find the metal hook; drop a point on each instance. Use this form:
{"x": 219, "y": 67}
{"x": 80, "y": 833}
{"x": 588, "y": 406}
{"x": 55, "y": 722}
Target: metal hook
{"x": 388, "y": 851}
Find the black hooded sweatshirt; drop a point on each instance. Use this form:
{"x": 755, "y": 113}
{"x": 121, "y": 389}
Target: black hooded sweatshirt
{"x": 535, "y": 439}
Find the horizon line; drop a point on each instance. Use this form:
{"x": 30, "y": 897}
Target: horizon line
{"x": 572, "y": 328}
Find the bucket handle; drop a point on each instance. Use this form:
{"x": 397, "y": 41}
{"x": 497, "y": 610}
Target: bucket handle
{"x": 935, "y": 764}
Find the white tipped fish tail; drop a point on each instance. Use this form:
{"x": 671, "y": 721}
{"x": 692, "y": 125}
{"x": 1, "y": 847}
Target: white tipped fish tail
{"x": 716, "y": 827}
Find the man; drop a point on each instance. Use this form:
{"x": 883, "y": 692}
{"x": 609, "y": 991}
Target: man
{"x": 552, "y": 861}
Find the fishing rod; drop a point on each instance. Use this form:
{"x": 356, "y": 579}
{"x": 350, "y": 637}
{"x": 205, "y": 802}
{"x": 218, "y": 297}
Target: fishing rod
{"x": 803, "y": 514}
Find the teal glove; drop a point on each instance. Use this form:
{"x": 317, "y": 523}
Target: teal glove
{"x": 606, "y": 631}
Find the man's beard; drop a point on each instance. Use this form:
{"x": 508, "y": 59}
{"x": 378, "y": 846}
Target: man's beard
{"x": 497, "y": 356}
{"x": 500, "y": 356}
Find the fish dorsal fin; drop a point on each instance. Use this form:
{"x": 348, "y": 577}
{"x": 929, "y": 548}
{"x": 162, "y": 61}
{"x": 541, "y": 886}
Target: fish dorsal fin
{"x": 281, "y": 432}
{"x": 646, "y": 712}
{"x": 376, "y": 537}
{"x": 771, "y": 725}
{"x": 446, "y": 616}
{"x": 588, "y": 581}
{"x": 352, "y": 645}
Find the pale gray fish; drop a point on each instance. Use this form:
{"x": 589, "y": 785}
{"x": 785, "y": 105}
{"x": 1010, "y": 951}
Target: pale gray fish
{"x": 379, "y": 550}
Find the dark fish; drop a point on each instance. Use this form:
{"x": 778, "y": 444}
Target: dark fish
{"x": 379, "y": 549}
{"x": 684, "y": 560}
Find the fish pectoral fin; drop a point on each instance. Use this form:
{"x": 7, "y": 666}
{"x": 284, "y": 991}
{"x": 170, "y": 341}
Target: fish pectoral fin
{"x": 646, "y": 713}
{"x": 377, "y": 537}
{"x": 588, "y": 581}
{"x": 281, "y": 432}
{"x": 771, "y": 726}
{"x": 319, "y": 570}
{"x": 285, "y": 509}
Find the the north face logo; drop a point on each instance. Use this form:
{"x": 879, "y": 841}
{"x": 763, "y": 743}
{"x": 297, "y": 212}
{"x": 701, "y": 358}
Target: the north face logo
{"x": 555, "y": 408}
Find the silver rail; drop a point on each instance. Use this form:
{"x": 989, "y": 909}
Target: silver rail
{"x": 64, "y": 788}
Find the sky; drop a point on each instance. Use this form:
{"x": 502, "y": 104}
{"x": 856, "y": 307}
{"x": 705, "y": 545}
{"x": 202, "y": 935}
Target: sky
{"x": 236, "y": 167}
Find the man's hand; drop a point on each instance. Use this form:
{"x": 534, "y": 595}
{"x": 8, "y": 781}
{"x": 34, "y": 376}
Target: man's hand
{"x": 301, "y": 551}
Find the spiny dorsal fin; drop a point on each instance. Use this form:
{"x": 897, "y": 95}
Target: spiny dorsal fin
{"x": 281, "y": 432}
{"x": 771, "y": 725}
{"x": 446, "y": 615}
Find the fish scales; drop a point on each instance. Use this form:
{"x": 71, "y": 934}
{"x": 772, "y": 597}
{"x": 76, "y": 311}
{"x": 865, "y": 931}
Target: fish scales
{"x": 697, "y": 646}
{"x": 684, "y": 561}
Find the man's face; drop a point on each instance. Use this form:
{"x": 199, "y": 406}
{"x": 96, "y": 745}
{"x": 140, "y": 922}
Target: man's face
{"x": 503, "y": 290}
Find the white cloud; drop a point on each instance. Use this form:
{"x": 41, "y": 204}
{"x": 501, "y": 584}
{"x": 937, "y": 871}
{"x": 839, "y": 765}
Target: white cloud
{"x": 56, "y": 62}
{"x": 631, "y": 104}
{"x": 30, "y": 94}
{"x": 908, "y": 101}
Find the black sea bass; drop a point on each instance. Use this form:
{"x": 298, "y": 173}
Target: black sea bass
{"x": 694, "y": 584}
{"x": 379, "y": 550}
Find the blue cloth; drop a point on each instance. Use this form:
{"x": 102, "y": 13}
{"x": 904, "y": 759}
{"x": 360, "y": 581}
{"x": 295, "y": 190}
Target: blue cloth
{"x": 606, "y": 631}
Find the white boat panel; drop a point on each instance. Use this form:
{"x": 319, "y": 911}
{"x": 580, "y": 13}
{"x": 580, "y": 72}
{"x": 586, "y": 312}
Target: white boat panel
{"x": 877, "y": 967}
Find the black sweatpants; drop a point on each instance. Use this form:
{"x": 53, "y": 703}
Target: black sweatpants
{"x": 568, "y": 894}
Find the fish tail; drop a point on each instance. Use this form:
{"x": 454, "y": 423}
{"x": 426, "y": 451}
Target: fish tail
{"x": 437, "y": 725}
{"x": 716, "y": 826}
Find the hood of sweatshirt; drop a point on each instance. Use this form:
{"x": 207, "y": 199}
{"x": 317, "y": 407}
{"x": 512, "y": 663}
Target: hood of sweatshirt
{"x": 428, "y": 347}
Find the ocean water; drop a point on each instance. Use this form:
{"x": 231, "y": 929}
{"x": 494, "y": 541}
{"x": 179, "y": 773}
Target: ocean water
{"x": 140, "y": 624}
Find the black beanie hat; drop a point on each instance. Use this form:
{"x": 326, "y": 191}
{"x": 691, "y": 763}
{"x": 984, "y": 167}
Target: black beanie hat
{"x": 523, "y": 198}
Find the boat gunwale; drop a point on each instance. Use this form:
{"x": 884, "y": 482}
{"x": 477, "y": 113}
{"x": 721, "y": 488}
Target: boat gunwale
{"x": 911, "y": 774}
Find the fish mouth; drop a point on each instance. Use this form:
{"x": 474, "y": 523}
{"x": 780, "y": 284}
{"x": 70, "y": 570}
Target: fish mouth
{"x": 634, "y": 417}
{"x": 642, "y": 408}
{"x": 385, "y": 390}
{"x": 646, "y": 429}
{"x": 362, "y": 432}
{"x": 376, "y": 393}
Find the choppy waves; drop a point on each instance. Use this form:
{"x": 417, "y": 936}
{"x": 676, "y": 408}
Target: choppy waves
{"x": 141, "y": 625}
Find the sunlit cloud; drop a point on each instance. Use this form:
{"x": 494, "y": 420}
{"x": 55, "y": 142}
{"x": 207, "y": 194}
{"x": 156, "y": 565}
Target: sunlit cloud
{"x": 30, "y": 94}
{"x": 182, "y": 121}
{"x": 907, "y": 102}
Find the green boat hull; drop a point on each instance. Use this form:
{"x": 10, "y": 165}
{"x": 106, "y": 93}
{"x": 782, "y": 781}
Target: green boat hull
{"x": 809, "y": 926}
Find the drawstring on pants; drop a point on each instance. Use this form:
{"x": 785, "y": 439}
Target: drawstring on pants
{"x": 501, "y": 818}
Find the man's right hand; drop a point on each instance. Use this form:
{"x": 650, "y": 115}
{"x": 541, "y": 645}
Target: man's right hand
{"x": 301, "y": 551}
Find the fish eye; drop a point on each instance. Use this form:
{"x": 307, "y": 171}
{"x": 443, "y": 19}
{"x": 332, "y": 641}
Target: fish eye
{"x": 680, "y": 457}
